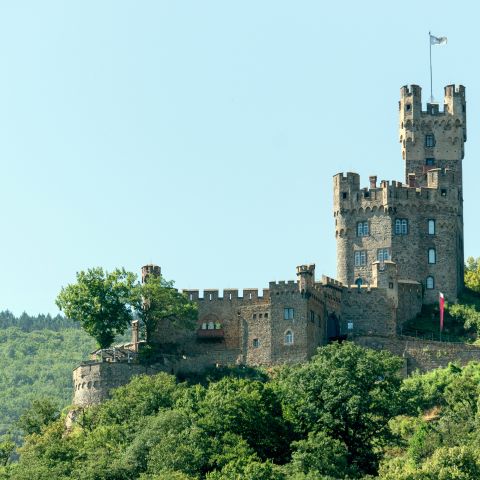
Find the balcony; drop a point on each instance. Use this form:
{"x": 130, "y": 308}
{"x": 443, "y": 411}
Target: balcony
{"x": 210, "y": 334}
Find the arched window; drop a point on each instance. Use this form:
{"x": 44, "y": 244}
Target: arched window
{"x": 288, "y": 340}
{"x": 430, "y": 283}
{"x": 432, "y": 255}
{"x": 431, "y": 227}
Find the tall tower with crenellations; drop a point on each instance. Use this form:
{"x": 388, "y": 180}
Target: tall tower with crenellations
{"x": 432, "y": 138}
{"x": 417, "y": 224}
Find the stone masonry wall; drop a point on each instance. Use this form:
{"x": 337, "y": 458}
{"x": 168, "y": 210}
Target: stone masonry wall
{"x": 370, "y": 311}
{"x": 92, "y": 382}
{"x": 422, "y": 355}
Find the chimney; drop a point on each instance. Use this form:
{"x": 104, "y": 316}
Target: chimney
{"x": 373, "y": 181}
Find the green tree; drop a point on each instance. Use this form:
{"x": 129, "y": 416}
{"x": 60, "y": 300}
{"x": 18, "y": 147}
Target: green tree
{"x": 157, "y": 301}
{"x": 41, "y": 413}
{"x": 7, "y": 447}
{"x": 101, "y": 302}
{"x": 472, "y": 274}
{"x": 348, "y": 392}
{"x": 319, "y": 455}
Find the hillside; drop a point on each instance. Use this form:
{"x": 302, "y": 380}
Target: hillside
{"x": 344, "y": 415}
{"x": 37, "y": 355}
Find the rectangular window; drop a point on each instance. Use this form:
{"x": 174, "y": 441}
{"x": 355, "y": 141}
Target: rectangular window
{"x": 362, "y": 229}
{"x": 401, "y": 226}
{"x": 430, "y": 161}
{"x": 256, "y": 343}
{"x": 383, "y": 254}
{"x": 429, "y": 140}
{"x": 360, "y": 258}
{"x": 431, "y": 227}
{"x": 288, "y": 313}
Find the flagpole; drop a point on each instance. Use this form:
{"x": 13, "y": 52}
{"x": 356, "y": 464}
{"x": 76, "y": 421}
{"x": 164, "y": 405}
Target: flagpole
{"x": 431, "y": 77}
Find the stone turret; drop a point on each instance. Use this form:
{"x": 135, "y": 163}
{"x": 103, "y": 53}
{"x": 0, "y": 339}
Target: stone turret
{"x": 150, "y": 269}
{"x": 306, "y": 277}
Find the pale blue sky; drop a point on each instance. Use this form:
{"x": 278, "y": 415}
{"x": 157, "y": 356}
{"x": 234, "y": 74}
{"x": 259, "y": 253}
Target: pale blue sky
{"x": 203, "y": 135}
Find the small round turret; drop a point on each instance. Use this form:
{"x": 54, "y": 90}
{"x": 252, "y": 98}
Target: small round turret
{"x": 150, "y": 269}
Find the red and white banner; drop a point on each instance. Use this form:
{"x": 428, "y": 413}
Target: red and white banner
{"x": 442, "y": 307}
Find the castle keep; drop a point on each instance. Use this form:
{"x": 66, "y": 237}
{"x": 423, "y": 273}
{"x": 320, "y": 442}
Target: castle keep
{"x": 398, "y": 245}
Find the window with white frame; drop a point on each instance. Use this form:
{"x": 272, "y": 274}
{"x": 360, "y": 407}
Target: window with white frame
{"x": 360, "y": 258}
{"x": 288, "y": 338}
{"x": 429, "y": 140}
{"x": 432, "y": 255}
{"x": 383, "y": 254}
{"x": 401, "y": 226}
{"x": 430, "y": 283}
{"x": 362, "y": 229}
{"x": 288, "y": 313}
{"x": 431, "y": 227}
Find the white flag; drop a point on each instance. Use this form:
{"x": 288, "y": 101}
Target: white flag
{"x": 438, "y": 40}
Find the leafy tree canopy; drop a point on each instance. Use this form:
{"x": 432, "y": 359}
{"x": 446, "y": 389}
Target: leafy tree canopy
{"x": 158, "y": 300}
{"x": 101, "y": 302}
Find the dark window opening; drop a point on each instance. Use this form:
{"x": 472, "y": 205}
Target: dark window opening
{"x": 344, "y": 195}
{"x": 429, "y": 161}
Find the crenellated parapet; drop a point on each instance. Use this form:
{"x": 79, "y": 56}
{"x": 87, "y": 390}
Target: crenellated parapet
{"x": 229, "y": 295}
{"x": 440, "y": 190}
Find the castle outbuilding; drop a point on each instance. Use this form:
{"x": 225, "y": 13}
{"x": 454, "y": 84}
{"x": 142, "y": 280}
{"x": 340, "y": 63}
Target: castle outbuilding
{"x": 398, "y": 245}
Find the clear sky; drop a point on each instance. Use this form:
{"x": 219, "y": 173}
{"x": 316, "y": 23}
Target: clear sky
{"x": 203, "y": 135}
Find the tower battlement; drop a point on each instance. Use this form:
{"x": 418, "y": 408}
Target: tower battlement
{"x": 440, "y": 188}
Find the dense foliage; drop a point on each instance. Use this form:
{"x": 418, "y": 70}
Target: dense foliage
{"x": 37, "y": 355}
{"x": 29, "y": 323}
{"x": 344, "y": 415}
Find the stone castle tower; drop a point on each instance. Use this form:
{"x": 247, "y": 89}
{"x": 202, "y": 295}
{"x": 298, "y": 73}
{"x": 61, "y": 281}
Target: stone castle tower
{"x": 418, "y": 224}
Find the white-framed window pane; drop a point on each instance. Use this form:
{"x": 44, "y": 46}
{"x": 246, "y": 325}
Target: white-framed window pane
{"x": 288, "y": 313}
{"x": 404, "y": 227}
{"x": 288, "y": 338}
{"x": 383, "y": 254}
{"x": 430, "y": 283}
{"x": 432, "y": 257}
{"x": 365, "y": 229}
{"x": 363, "y": 257}
{"x": 398, "y": 227}
{"x": 431, "y": 227}
{"x": 360, "y": 229}
{"x": 357, "y": 259}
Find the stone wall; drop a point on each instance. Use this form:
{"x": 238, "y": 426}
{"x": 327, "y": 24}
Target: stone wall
{"x": 92, "y": 381}
{"x": 409, "y": 301}
{"x": 368, "y": 311}
{"x": 422, "y": 355}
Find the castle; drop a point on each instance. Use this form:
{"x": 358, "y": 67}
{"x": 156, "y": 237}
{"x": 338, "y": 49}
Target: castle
{"x": 398, "y": 245}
